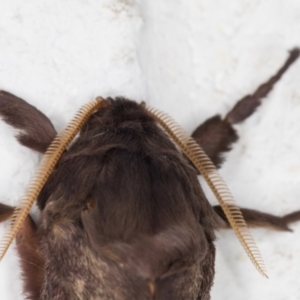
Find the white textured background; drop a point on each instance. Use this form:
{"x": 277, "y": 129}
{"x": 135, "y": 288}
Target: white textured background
{"x": 191, "y": 59}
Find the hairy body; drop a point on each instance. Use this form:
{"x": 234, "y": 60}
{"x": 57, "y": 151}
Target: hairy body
{"x": 124, "y": 203}
{"x": 123, "y": 215}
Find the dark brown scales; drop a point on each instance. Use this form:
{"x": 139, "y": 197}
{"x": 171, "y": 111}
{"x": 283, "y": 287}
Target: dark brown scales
{"x": 123, "y": 215}
{"x": 216, "y": 135}
{"x": 149, "y": 213}
{"x": 32, "y": 262}
{"x": 38, "y": 129}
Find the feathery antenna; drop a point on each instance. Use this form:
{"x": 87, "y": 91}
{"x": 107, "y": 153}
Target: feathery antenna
{"x": 216, "y": 183}
{"x": 44, "y": 170}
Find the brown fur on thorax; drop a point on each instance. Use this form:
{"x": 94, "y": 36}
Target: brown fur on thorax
{"x": 149, "y": 218}
{"x": 123, "y": 215}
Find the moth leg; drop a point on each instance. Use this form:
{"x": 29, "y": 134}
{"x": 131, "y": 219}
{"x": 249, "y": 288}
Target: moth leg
{"x": 255, "y": 218}
{"x": 6, "y": 212}
{"x": 216, "y": 134}
{"x": 247, "y": 105}
{"x": 37, "y": 130}
{"x": 31, "y": 259}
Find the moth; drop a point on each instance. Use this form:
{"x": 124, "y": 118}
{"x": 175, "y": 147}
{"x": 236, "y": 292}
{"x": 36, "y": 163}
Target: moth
{"x": 122, "y": 213}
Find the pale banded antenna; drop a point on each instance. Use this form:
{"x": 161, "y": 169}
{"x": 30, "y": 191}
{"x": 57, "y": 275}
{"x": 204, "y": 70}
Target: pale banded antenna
{"x": 216, "y": 183}
{"x": 46, "y": 166}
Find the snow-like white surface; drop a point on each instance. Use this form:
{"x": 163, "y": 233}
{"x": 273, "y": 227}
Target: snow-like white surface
{"x": 191, "y": 59}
